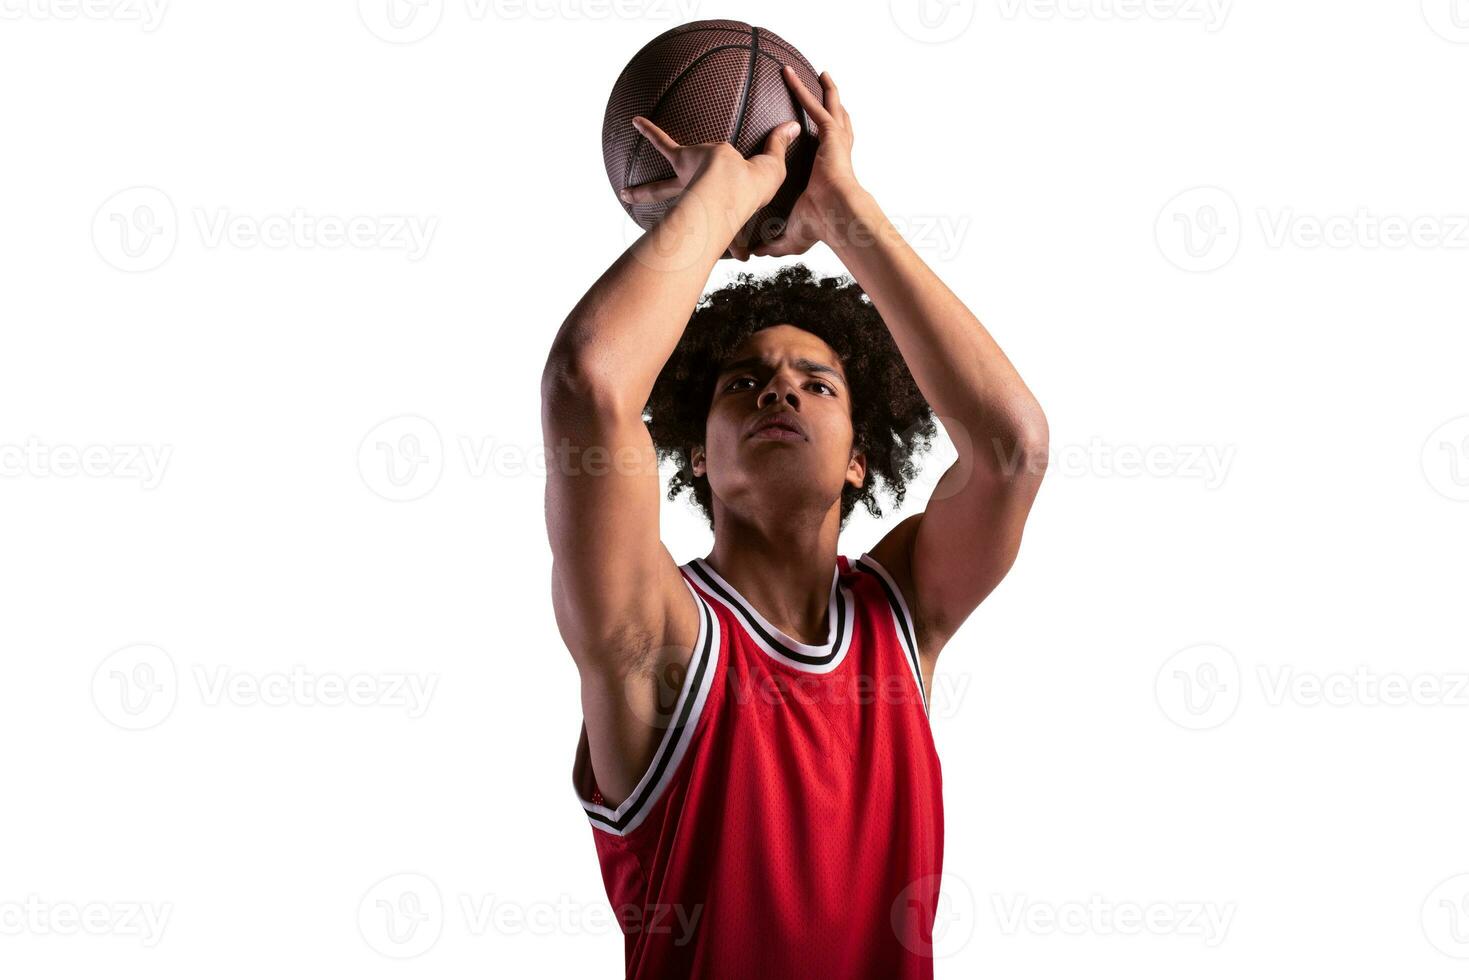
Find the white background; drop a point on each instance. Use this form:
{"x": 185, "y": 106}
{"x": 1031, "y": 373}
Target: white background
{"x": 1183, "y": 703}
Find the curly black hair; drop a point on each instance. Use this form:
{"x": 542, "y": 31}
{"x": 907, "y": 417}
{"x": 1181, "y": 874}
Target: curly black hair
{"x": 891, "y": 421}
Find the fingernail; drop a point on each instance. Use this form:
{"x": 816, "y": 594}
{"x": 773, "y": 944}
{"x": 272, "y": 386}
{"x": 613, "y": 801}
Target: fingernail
{"x": 624, "y": 194}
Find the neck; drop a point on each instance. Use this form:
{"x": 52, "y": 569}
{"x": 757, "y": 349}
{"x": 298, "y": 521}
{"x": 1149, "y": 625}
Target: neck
{"x": 783, "y": 569}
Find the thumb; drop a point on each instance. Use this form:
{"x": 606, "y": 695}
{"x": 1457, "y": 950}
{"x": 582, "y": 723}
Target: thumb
{"x": 780, "y": 138}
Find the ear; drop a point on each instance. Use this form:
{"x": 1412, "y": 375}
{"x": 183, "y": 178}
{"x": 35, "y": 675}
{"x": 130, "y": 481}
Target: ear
{"x": 696, "y": 460}
{"x": 857, "y": 468}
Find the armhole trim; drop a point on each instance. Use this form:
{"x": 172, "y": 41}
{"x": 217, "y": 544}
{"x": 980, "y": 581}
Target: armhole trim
{"x": 902, "y": 619}
{"x": 687, "y": 710}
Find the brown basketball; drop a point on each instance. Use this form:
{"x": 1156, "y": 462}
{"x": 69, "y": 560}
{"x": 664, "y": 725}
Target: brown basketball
{"x": 703, "y": 82}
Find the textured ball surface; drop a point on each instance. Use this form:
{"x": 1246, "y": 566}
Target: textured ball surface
{"x": 703, "y": 82}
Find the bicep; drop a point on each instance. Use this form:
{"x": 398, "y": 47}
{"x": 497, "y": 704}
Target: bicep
{"x": 952, "y": 555}
{"x": 615, "y": 588}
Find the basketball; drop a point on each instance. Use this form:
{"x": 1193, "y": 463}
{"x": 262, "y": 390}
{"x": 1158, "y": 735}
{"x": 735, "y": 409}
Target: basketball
{"x": 704, "y": 82}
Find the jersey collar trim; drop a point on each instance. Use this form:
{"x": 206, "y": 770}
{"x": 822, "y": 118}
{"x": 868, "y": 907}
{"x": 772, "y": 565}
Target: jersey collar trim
{"x": 816, "y": 658}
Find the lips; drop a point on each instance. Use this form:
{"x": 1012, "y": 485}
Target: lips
{"x": 780, "y": 425}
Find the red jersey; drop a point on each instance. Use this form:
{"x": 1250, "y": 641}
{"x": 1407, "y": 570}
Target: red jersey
{"x": 791, "y": 821}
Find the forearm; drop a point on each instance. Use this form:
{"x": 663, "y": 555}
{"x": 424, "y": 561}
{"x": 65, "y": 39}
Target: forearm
{"x": 960, "y": 369}
{"x": 620, "y": 334}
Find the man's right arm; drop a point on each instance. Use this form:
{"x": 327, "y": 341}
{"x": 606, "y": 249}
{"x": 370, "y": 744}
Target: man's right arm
{"x": 620, "y": 601}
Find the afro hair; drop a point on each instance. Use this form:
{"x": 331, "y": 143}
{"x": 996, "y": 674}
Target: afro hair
{"x": 892, "y": 423}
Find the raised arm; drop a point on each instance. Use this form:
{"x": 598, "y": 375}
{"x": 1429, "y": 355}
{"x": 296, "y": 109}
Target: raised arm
{"x": 620, "y": 601}
{"x": 948, "y": 558}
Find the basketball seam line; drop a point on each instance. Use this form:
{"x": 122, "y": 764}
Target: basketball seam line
{"x": 642, "y": 140}
{"x": 672, "y": 84}
{"x": 739, "y": 119}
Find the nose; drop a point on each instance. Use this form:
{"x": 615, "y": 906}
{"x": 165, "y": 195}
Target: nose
{"x": 777, "y": 390}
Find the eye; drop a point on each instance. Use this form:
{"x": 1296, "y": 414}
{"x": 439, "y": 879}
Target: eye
{"x": 822, "y": 384}
{"x": 738, "y": 381}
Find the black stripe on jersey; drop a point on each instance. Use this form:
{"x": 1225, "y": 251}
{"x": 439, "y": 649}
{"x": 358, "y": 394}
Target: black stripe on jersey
{"x": 754, "y": 623}
{"x": 692, "y": 685}
{"x": 910, "y": 644}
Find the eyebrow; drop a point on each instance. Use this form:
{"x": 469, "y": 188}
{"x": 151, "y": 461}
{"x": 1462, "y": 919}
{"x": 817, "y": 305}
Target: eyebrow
{"x": 802, "y": 364}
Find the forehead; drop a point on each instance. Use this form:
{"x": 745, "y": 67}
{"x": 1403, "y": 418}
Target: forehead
{"x": 786, "y": 342}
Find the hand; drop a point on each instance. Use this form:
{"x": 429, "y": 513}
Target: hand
{"x": 753, "y": 181}
{"x": 812, "y": 219}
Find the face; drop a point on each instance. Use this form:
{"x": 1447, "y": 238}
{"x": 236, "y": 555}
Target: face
{"x": 779, "y": 433}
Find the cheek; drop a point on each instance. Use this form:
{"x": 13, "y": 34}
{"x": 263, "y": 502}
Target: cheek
{"x": 836, "y": 428}
{"x": 719, "y": 435}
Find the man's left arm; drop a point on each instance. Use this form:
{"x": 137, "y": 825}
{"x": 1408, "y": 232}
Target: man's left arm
{"x": 953, "y": 554}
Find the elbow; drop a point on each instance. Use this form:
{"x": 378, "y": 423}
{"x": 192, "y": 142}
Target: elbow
{"x": 1034, "y": 435}
{"x": 572, "y": 380}
{"x": 562, "y": 377}
{"x": 1020, "y": 452}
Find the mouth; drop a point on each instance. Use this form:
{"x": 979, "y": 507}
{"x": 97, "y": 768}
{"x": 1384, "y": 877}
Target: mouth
{"x": 782, "y": 427}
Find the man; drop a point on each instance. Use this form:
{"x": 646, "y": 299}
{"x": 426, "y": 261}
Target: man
{"x": 755, "y": 759}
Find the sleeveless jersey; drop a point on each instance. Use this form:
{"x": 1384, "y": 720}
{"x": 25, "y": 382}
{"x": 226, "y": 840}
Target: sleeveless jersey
{"x": 790, "y": 823}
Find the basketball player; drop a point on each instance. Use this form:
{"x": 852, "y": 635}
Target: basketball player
{"x": 756, "y": 762}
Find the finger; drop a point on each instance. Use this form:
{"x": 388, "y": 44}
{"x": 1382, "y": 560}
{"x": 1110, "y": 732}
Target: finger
{"x": 804, "y": 96}
{"x": 781, "y": 246}
{"x": 661, "y": 141}
{"x": 653, "y": 192}
{"x": 830, "y": 97}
